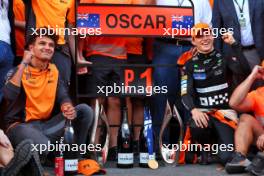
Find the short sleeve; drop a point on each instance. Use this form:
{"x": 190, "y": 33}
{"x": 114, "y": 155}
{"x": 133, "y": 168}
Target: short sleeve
{"x": 251, "y": 97}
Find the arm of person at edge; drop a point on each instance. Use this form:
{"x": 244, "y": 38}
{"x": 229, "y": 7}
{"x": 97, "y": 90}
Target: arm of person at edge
{"x": 260, "y": 142}
{"x": 4, "y": 141}
{"x": 200, "y": 118}
{"x": 239, "y": 100}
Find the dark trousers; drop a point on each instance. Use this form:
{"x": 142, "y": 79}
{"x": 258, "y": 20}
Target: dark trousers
{"x": 41, "y": 132}
{"x": 224, "y": 135}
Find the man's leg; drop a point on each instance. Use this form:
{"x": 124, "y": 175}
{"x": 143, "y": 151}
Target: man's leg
{"x": 225, "y": 136}
{"x": 247, "y": 132}
{"x": 31, "y": 131}
{"x": 201, "y": 136}
{"x": 114, "y": 116}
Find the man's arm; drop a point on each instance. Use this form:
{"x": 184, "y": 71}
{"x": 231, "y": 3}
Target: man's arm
{"x": 17, "y": 77}
{"x": 239, "y": 99}
{"x": 237, "y": 64}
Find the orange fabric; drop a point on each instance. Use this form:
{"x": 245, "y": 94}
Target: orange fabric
{"x": 89, "y": 167}
{"x": 54, "y": 14}
{"x": 211, "y": 3}
{"x": 40, "y": 89}
{"x": 134, "y": 45}
{"x": 256, "y": 98}
{"x": 219, "y": 116}
{"x": 184, "y": 58}
{"x": 19, "y": 8}
{"x": 109, "y": 44}
{"x": 186, "y": 141}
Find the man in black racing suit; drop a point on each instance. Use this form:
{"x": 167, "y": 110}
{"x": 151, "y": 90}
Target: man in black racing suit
{"x": 205, "y": 91}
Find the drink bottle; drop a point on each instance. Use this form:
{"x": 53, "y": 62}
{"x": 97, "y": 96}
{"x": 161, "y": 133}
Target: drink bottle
{"x": 59, "y": 161}
{"x": 124, "y": 142}
{"x": 70, "y": 156}
{"x": 147, "y": 140}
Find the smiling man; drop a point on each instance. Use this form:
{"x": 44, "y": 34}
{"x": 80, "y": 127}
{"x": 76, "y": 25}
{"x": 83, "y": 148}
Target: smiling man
{"x": 32, "y": 91}
{"x": 205, "y": 86}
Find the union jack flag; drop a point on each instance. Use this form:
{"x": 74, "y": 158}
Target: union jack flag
{"x": 177, "y": 18}
{"x": 82, "y": 16}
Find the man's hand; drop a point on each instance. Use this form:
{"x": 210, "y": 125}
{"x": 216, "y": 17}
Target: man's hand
{"x": 4, "y": 141}
{"x": 257, "y": 73}
{"x": 27, "y": 57}
{"x": 200, "y": 118}
{"x": 68, "y": 111}
{"x": 228, "y": 38}
{"x": 260, "y": 142}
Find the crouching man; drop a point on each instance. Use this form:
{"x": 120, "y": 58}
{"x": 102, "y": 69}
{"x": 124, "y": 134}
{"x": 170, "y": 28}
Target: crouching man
{"x": 250, "y": 129}
{"x": 32, "y": 90}
{"x": 206, "y": 88}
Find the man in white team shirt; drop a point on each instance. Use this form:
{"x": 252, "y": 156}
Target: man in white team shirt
{"x": 6, "y": 54}
{"x": 167, "y": 51}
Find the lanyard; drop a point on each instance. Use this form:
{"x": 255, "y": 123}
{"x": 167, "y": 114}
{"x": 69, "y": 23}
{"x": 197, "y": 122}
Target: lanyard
{"x": 241, "y": 9}
{"x": 180, "y": 2}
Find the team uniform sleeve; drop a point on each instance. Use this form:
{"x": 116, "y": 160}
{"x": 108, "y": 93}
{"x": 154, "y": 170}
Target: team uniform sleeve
{"x": 238, "y": 63}
{"x": 62, "y": 95}
{"x": 187, "y": 91}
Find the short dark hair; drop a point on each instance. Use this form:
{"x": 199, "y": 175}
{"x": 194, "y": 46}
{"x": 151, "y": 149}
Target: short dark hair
{"x": 48, "y": 32}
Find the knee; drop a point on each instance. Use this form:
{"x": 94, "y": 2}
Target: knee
{"x": 85, "y": 113}
{"x": 246, "y": 119}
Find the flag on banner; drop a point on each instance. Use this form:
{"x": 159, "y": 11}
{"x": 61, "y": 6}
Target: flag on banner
{"x": 85, "y": 20}
{"x": 182, "y": 21}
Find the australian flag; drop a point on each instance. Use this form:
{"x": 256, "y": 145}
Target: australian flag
{"x": 85, "y": 20}
{"x": 186, "y": 22}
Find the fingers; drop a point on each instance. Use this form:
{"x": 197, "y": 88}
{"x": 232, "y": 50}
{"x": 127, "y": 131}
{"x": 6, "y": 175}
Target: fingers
{"x": 260, "y": 143}
{"x": 201, "y": 120}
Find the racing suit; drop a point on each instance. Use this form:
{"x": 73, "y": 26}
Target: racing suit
{"x": 206, "y": 84}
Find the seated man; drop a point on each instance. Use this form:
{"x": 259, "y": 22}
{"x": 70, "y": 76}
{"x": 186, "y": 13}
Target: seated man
{"x": 206, "y": 89}
{"x": 250, "y": 130}
{"x": 31, "y": 91}
{"x": 11, "y": 163}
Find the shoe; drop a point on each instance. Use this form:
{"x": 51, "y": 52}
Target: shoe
{"x": 112, "y": 154}
{"x": 21, "y": 157}
{"x": 257, "y": 165}
{"x": 237, "y": 164}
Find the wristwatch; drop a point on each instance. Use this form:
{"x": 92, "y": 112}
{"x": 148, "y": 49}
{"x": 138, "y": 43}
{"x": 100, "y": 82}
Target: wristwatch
{"x": 24, "y": 63}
